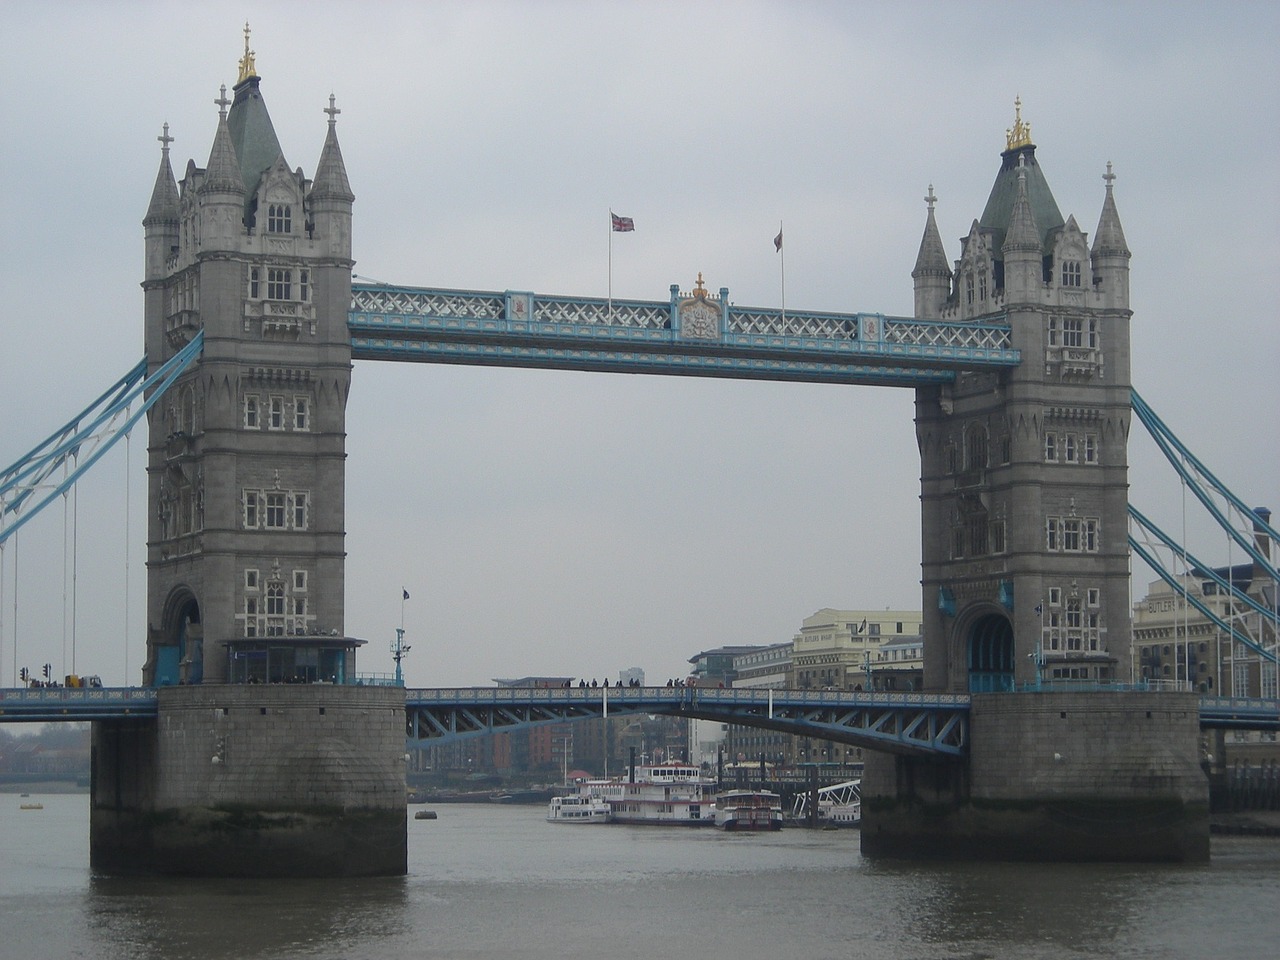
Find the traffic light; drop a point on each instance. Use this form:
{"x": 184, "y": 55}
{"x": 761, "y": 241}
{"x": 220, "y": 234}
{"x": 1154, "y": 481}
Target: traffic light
{"x": 47, "y": 668}
{"x": 24, "y": 674}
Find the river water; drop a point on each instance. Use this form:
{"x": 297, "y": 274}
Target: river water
{"x": 496, "y": 881}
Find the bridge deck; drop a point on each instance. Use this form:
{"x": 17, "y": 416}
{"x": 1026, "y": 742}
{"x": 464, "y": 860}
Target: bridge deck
{"x": 515, "y": 328}
{"x": 916, "y": 723}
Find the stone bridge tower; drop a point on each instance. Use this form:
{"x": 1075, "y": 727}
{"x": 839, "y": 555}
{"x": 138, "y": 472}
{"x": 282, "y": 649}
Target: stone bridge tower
{"x": 246, "y": 452}
{"x": 1024, "y": 483}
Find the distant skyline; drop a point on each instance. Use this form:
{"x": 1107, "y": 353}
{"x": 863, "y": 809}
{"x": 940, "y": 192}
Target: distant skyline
{"x": 577, "y": 523}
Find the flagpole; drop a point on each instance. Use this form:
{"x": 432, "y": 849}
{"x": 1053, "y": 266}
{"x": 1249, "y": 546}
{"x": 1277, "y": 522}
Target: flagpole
{"x": 782, "y": 263}
{"x": 610, "y": 264}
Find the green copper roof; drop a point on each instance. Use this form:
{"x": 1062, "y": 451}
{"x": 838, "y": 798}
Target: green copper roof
{"x": 252, "y": 133}
{"x": 1005, "y": 191}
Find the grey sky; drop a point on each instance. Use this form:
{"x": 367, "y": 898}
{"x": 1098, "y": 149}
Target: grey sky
{"x": 583, "y": 523}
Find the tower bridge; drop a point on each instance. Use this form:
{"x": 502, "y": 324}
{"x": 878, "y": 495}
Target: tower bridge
{"x": 1018, "y": 353}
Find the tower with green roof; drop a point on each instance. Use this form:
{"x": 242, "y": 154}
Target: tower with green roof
{"x": 1024, "y": 484}
{"x": 246, "y": 453}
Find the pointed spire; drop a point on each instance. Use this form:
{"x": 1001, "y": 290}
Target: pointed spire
{"x": 222, "y": 173}
{"x": 164, "y": 196}
{"x": 1023, "y": 236}
{"x": 1109, "y": 240}
{"x": 330, "y": 181}
{"x": 932, "y": 274}
{"x": 932, "y": 257}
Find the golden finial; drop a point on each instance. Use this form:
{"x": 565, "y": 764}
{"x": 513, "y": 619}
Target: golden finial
{"x": 700, "y": 290}
{"x": 247, "y": 69}
{"x": 1020, "y": 135}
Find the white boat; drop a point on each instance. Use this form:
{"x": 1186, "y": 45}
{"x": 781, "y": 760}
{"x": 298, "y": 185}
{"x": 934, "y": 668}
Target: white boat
{"x": 839, "y": 805}
{"x": 671, "y": 794}
{"x": 578, "y": 808}
{"x": 749, "y": 810}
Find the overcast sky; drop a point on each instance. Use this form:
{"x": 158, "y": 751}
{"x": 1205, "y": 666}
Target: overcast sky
{"x": 571, "y": 523}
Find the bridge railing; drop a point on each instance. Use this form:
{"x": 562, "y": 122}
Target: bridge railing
{"x": 44, "y": 704}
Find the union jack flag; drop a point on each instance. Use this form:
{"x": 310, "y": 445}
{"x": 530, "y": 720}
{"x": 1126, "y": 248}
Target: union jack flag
{"x": 622, "y": 224}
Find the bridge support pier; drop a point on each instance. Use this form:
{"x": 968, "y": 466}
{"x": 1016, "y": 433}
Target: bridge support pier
{"x": 1094, "y": 776}
{"x": 253, "y": 781}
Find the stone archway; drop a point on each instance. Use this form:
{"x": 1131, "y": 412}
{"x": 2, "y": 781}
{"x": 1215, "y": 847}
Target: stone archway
{"x": 989, "y": 654}
{"x": 179, "y": 655}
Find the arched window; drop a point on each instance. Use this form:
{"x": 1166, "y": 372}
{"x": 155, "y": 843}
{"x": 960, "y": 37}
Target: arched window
{"x": 975, "y": 447}
{"x": 279, "y": 218}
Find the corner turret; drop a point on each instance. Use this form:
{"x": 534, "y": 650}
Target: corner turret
{"x": 160, "y": 225}
{"x": 1022, "y": 248}
{"x": 1110, "y": 254}
{"x": 932, "y": 276}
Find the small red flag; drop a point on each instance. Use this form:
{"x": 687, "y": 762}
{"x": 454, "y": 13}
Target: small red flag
{"x": 622, "y": 224}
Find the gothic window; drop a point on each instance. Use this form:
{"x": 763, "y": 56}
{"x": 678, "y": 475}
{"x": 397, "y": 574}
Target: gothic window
{"x": 1053, "y": 331}
{"x": 250, "y": 616}
{"x": 1090, "y": 444}
{"x": 1072, "y": 333}
{"x": 277, "y": 413}
{"x": 251, "y": 421}
{"x": 1093, "y": 334}
{"x": 1069, "y": 447}
{"x": 1090, "y": 536}
{"x": 982, "y": 287}
{"x": 275, "y": 608}
{"x": 250, "y": 509}
{"x": 1051, "y": 535}
{"x": 978, "y": 535}
{"x": 1006, "y": 449}
{"x": 997, "y": 537}
{"x": 253, "y": 283}
{"x": 279, "y": 218}
{"x": 1071, "y": 535}
{"x": 975, "y": 454}
{"x": 1071, "y": 273}
{"x": 279, "y": 284}
{"x": 251, "y": 579}
{"x": 1050, "y": 447}
{"x": 300, "y": 411}
{"x": 957, "y": 542}
{"x": 275, "y": 511}
{"x": 299, "y": 511}
{"x": 304, "y": 285}
{"x": 968, "y": 289}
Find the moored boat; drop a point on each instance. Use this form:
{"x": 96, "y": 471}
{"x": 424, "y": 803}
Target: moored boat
{"x": 670, "y": 794}
{"x": 578, "y": 808}
{"x": 749, "y": 810}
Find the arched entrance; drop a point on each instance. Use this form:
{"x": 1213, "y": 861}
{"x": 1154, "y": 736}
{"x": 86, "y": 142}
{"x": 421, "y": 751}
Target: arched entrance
{"x": 180, "y": 656}
{"x": 991, "y": 654}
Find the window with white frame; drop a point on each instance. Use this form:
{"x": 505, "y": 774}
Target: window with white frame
{"x": 301, "y": 413}
{"x": 251, "y": 580}
{"x": 251, "y": 512}
{"x": 279, "y": 283}
{"x": 1071, "y": 273}
{"x": 1072, "y": 332}
{"x": 1050, "y": 447}
{"x": 276, "y": 509}
{"x": 276, "y": 421}
{"x": 251, "y": 421}
{"x": 279, "y": 218}
{"x": 299, "y": 581}
{"x": 1089, "y": 443}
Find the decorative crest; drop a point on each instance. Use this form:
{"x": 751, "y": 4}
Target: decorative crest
{"x": 247, "y": 68}
{"x": 1020, "y": 134}
{"x": 700, "y": 290}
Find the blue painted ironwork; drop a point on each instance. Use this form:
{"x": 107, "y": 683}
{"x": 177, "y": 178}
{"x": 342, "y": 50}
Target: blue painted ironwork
{"x": 1239, "y": 713}
{"x": 50, "y": 704}
{"x": 516, "y": 328}
{"x": 32, "y": 482}
{"x": 906, "y": 723}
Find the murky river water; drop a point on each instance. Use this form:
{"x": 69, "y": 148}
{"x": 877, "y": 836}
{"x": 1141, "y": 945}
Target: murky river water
{"x": 498, "y": 881}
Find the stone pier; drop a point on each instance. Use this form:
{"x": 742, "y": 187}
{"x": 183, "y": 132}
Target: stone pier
{"x": 253, "y": 780}
{"x": 1094, "y": 776}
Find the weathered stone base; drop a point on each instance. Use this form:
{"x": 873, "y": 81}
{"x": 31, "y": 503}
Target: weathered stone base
{"x": 249, "y": 781}
{"x": 1050, "y": 777}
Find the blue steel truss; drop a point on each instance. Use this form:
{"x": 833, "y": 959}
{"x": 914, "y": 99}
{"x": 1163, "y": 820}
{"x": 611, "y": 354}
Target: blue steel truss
{"x": 520, "y": 329}
{"x": 50, "y": 469}
{"x": 906, "y": 723}
{"x": 1245, "y": 527}
{"x": 928, "y": 724}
